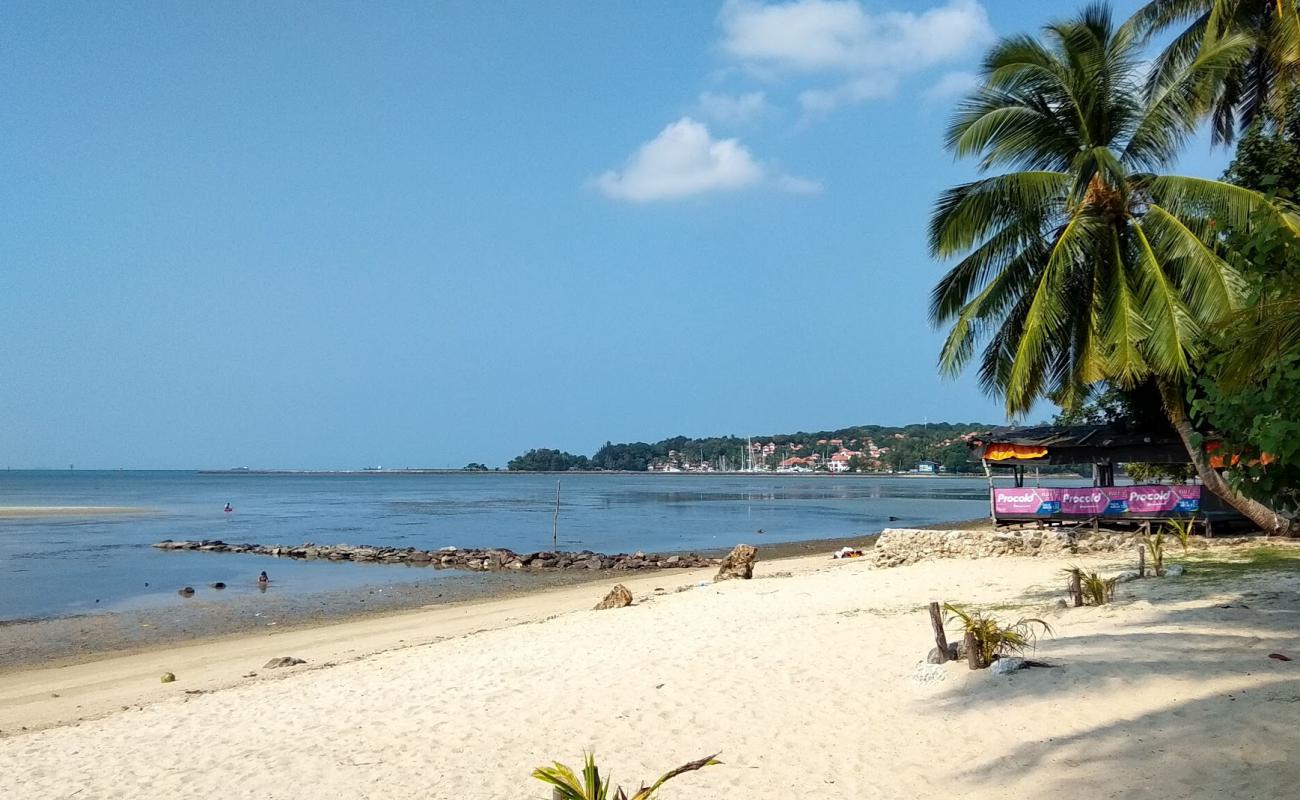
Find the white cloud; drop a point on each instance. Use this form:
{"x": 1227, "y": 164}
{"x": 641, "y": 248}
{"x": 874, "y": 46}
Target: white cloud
{"x": 821, "y": 101}
{"x": 732, "y": 109}
{"x": 863, "y": 54}
{"x": 952, "y": 84}
{"x": 685, "y": 160}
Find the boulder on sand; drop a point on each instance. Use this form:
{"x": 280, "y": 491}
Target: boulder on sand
{"x": 618, "y": 597}
{"x": 739, "y": 563}
{"x": 283, "y": 661}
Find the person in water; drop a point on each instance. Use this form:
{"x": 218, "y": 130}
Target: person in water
{"x": 262, "y": 579}
{"x": 228, "y": 508}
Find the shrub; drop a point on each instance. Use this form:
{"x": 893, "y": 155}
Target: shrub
{"x": 992, "y": 638}
{"x": 594, "y": 787}
{"x": 1096, "y": 590}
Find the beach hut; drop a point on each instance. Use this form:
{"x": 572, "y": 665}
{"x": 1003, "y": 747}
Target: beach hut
{"x": 1101, "y": 448}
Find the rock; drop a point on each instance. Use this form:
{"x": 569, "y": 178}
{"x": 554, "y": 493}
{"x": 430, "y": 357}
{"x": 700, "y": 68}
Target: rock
{"x": 187, "y": 591}
{"x": 217, "y": 585}
{"x": 1007, "y": 665}
{"x": 168, "y": 677}
{"x": 1125, "y": 577}
{"x": 739, "y": 563}
{"x": 618, "y": 597}
{"x": 1175, "y": 571}
{"x": 1060, "y": 603}
{"x": 935, "y": 658}
{"x": 283, "y": 661}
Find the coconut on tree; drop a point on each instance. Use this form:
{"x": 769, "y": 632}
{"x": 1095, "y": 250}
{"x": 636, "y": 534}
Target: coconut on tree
{"x": 1085, "y": 263}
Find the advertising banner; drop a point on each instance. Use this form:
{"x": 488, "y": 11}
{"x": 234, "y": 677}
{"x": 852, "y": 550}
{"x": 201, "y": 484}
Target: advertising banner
{"x": 1095, "y": 501}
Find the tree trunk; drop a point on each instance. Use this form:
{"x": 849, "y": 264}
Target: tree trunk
{"x": 1266, "y": 518}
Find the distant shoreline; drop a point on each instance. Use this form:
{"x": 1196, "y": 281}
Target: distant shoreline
{"x": 561, "y": 473}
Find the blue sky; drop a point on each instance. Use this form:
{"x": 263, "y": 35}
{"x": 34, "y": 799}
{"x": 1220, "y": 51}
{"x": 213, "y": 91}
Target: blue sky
{"x": 422, "y": 234}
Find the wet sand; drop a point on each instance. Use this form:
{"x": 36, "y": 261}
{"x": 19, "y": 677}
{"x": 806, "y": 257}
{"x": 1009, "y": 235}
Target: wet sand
{"x": 210, "y": 616}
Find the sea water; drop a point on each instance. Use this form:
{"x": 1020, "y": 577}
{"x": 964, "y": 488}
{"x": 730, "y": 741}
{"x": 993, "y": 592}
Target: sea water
{"x": 61, "y": 565}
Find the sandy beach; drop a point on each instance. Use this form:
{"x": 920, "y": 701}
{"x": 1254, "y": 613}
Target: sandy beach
{"x": 806, "y": 678}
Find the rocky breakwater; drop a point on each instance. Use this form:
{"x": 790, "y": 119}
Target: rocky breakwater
{"x": 480, "y": 560}
{"x": 898, "y": 546}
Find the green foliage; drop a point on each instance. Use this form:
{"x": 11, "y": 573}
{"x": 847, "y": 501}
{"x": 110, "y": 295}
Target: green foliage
{"x": 475, "y": 466}
{"x": 992, "y": 637}
{"x": 907, "y": 445}
{"x": 1155, "y": 545}
{"x": 544, "y": 460}
{"x": 1249, "y": 390}
{"x": 593, "y": 787}
{"x": 1085, "y": 264}
{"x": 1261, "y": 39}
{"x": 1181, "y": 529}
{"x": 1096, "y": 590}
{"x": 1263, "y": 418}
{"x": 1159, "y": 473}
{"x": 1267, "y": 158}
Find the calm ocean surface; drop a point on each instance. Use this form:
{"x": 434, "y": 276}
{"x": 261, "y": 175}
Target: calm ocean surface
{"x": 56, "y": 566}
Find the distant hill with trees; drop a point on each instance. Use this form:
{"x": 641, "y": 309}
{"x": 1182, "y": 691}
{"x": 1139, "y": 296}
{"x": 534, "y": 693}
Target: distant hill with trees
{"x": 862, "y": 448}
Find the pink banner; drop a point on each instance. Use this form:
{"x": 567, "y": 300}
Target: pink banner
{"x": 1026, "y": 500}
{"x": 1094, "y": 501}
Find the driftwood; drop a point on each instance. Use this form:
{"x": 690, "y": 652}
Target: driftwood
{"x": 940, "y": 638}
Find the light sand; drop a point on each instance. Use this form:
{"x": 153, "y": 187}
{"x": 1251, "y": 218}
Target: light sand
{"x": 805, "y": 683}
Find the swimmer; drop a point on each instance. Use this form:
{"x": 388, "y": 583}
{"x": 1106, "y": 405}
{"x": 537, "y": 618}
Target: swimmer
{"x": 229, "y": 508}
{"x": 262, "y": 579}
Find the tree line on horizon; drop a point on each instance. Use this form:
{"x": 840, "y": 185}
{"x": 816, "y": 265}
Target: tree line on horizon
{"x": 907, "y": 446}
{"x": 1089, "y": 275}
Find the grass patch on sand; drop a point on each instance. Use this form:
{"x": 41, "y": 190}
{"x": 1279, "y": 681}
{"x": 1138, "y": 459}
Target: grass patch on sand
{"x": 1217, "y": 566}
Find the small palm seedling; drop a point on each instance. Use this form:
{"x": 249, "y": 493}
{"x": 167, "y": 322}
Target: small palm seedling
{"x": 1182, "y": 529}
{"x": 594, "y": 787}
{"x": 1096, "y": 590}
{"x": 1156, "y": 547}
{"x": 992, "y": 638}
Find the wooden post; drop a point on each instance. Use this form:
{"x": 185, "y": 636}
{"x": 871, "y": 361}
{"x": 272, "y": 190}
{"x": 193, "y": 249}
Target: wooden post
{"x": 1076, "y": 590}
{"x": 972, "y": 651}
{"x": 940, "y": 638}
{"x": 988, "y": 474}
{"x": 1142, "y": 561}
{"x": 555, "y": 521}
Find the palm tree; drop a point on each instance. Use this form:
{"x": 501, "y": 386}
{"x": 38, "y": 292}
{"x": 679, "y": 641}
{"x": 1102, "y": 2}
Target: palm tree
{"x": 1084, "y": 264}
{"x": 1261, "y": 77}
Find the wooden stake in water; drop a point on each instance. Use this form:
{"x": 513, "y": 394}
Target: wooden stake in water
{"x": 555, "y": 521}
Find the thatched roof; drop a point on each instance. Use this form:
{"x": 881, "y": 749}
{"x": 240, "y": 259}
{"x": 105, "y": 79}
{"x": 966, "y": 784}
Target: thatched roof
{"x": 1078, "y": 444}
